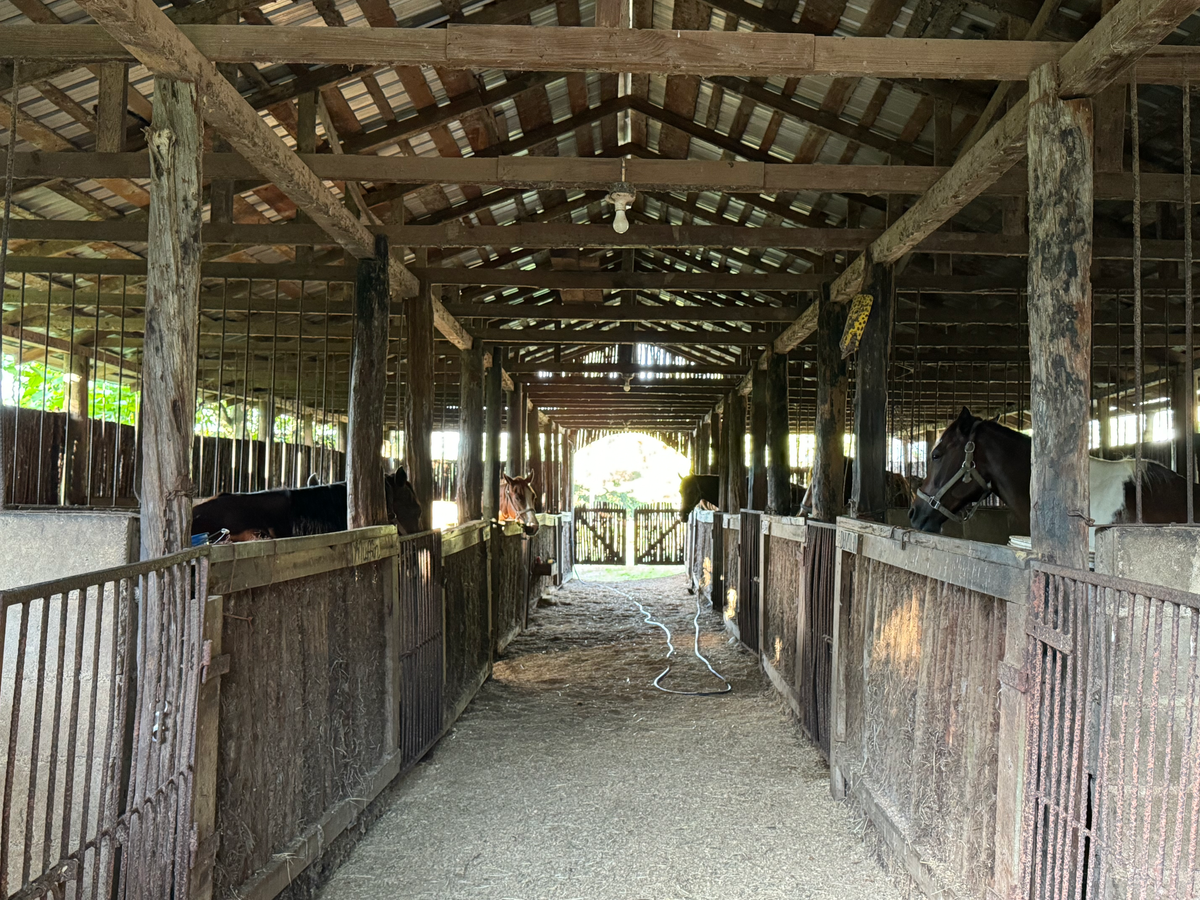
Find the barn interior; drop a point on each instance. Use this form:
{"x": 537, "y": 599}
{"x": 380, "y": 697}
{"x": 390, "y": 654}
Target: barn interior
{"x": 250, "y": 246}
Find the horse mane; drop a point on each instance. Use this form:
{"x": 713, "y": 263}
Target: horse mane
{"x": 1153, "y": 473}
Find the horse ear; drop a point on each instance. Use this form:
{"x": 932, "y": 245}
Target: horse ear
{"x": 400, "y": 476}
{"x": 965, "y": 420}
{"x": 528, "y": 477}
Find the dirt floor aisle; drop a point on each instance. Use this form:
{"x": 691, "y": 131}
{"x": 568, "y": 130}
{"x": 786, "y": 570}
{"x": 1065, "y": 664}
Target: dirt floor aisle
{"x": 571, "y": 777}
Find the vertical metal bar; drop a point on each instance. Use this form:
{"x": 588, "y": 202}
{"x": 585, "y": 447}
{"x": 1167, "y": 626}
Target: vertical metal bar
{"x": 240, "y": 443}
{"x": 11, "y": 487}
{"x": 45, "y": 382}
{"x": 268, "y": 434}
{"x": 9, "y": 170}
{"x": 1189, "y": 349}
{"x": 93, "y": 715}
{"x": 297, "y": 425}
{"x": 55, "y": 723}
{"x": 14, "y": 728}
{"x": 73, "y": 732}
{"x": 1139, "y": 397}
{"x": 220, "y": 398}
{"x": 326, "y": 456}
{"x": 90, "y": 408}
{"x": 36, "y": 737}
{"x": 1158, "y": 609}
{"x": 1169, "y": 741}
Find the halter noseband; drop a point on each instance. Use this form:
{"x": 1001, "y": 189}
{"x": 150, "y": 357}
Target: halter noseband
{"x": 967, "y": 472}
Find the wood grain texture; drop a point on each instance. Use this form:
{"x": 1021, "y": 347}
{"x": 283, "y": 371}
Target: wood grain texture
{"x": 493, "y": 399}
{"x": 1098, "y": 59}
{"x": 366, "y": 504}
{"x": 779, "y": 471}
{"x": 759, "y": 400}
{"x": 172, "y": 311}
{"x": 832, "y": 386}
{"x": 419, "y": 398}
{"x": 1060, "y": 318}
{"x": 869, "y": 498}
{"x": 470, "y": 439}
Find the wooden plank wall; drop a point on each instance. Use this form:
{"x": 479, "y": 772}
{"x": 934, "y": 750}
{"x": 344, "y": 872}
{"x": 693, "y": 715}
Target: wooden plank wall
{"x": 304, "y": 710}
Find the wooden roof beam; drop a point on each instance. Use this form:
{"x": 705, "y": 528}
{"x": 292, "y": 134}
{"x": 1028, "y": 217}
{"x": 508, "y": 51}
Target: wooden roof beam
{"x": 645, "y": 51}
{"x": 1129, "y": 31}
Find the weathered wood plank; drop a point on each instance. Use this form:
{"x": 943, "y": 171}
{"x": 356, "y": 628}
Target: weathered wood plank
{"x": 470, "y": 436}
{"x": 832, "y": 387}
{"x": 493, "y": 399}
{"x": 172, "y": 311}
{"x": 870, "y": 495}
{"x": 1060, "y": 318}
{"x": 365, "y": 499}
{"x": 419, "y": 398}
{"x": 643, "y": 51}
{"x": 779, "y": 471}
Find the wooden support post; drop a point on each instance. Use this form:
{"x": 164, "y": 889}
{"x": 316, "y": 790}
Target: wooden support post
{"x": 306, "y": 142}
{"x": 534, "y": 433}
{"x": 549, "y": 469}
{"x": 869, "y": 495}
{"x": 779, "y": 467}
{"x": 569, "y": 467}
{"x": 516, "y": 431}
{"x": 735, "y": 451}
{"x": 419, "y": 397}
{"x": 758, "y": 440}
{"x": 829, "y": 465}
{"x": 365, "y": 501}
{"x": 172, "y": 315}
{"x": 75, "y": 461}
{"x": 112, "y": 101}
{"x": 716, "y": 440}
{"x": 1060, "y": 318}
{"x": 470, "y": 435}
{"x": 493, "y": 399}
{"x": 703, "y": 443}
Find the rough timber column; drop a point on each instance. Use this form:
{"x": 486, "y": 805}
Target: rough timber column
{"x": 533, "y": 434}
{"x": 703, "y": 442}
{"x": 493, "y": 398}
{"x": 470, "y": 436}
{"x": 172, "y": 314}
{"x": 758, "y": 439}
{"x": 365, "y": 502}
{"x": 779, "y": 469}
{"x": 1060, "y": 317}
{"x": 516, "y": 431}
{"x": 735, "y": 452}
{"x": 869, "y": 495}
{"x": 829, "y": 465}
{"x": 419, "y": 397}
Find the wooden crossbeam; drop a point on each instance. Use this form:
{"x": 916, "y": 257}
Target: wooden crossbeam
{"x": 639, "y": 51}
{"x": 146, "y": 32}
{"x": 1132, "y": 29}
{"x": 591, "y": 312}
{"x": 559, "y": 280}
{"x": 624, "y": 336}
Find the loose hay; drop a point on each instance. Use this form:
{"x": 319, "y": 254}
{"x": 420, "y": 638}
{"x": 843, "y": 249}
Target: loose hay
{"x": 569, "y": 776}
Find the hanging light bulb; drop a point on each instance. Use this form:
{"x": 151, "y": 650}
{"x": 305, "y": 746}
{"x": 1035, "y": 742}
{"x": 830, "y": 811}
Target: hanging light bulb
{"x": 621, "y": 196}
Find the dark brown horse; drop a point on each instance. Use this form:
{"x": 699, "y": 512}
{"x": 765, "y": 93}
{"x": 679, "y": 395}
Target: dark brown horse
{"x": 518, "y": 503}
{"x": 283, "y": 513}
{"x": 975, "y": 458}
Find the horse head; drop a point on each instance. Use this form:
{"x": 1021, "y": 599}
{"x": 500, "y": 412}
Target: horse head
{"x": 404, "y": 509}
{"x": 958, "y": 476}
{"x": 518, "y": 503}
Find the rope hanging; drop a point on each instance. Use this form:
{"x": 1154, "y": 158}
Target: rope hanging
{"x": 9, "y": 170}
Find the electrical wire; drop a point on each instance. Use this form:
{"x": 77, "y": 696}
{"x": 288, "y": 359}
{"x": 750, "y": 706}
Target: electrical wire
{"x": 650, "y": 620}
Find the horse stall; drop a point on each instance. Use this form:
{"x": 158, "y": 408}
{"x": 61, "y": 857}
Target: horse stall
{"x": 703, "y": 558}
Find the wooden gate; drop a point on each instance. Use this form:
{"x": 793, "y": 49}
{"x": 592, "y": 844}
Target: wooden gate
{"x": 1112, "y": 784}
{"x": 658, "y": 536}
{"x": 101, "y": 719}
{"x": 600, "y": 535}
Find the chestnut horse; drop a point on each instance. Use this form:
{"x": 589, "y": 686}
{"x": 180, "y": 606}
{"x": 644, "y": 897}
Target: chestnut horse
{"x": 518, "y": 502}
{"x": 975, "y": 458}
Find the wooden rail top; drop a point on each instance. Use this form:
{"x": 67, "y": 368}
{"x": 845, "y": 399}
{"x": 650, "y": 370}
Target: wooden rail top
{"x": 987, "y": 568}
{"x": 239, "y": 567}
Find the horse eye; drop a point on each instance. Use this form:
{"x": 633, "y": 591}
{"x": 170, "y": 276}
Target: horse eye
{"x": 935, "y": 455}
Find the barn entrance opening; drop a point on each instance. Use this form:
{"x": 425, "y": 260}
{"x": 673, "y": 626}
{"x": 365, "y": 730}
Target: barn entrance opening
{"x": 625, "y": 500}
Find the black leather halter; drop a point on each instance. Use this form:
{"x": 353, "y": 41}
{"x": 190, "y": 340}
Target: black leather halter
{"x": 967, "y": 472}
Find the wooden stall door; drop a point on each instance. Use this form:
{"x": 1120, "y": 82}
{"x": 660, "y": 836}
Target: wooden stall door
{"x": 658, "y": 536}
{"x": 600, "y": 535}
